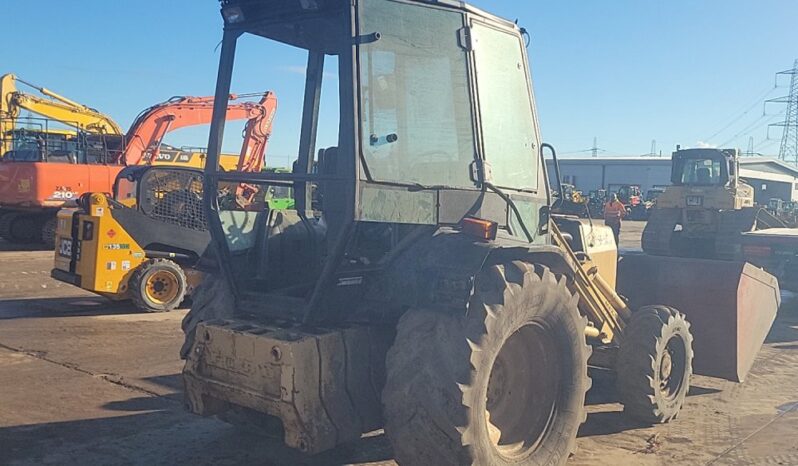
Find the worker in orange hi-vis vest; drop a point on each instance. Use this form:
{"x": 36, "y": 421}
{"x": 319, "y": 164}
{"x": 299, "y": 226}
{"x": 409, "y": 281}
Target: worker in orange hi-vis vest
{"x": 614, "y": 212}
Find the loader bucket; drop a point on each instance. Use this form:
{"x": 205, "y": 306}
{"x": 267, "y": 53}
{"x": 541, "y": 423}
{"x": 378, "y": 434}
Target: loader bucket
{"x": 730, "y": 306}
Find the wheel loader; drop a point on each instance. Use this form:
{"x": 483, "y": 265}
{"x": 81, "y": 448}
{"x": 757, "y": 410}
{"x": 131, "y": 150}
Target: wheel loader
{"x": 422, "y": 282}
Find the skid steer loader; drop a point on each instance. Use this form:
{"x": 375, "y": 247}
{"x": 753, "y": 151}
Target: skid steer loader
{"x": 422, "y": 283}
{"x": 143, "y": 241}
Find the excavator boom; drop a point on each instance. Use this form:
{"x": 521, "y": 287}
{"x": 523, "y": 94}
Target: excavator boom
{"x": 145, "y": 136}
{"x": 57, "y": 107}
{"x": 256, "y": 135}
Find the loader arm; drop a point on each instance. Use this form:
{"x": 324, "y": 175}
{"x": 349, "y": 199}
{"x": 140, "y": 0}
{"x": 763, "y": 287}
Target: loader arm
{"x": 605, "y": 309}
{"x": 144, "y": 138}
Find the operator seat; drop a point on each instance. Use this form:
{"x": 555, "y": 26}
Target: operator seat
{"x": 703, "y": 175}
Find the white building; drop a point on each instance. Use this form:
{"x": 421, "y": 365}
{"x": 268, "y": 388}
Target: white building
{"x": 770, "y": 178}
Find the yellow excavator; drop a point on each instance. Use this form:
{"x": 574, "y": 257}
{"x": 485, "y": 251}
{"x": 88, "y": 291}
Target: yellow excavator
{"x": 52, "y": 106}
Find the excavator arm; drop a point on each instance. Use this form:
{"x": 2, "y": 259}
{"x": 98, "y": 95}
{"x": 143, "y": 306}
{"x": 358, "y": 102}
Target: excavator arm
{"x": 256, "y": 135}
{"x": 145, "y": 136}
{"x": 56, "y": 107}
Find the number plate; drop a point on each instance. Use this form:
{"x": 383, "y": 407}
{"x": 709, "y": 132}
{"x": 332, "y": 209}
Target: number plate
{"x": 695, "y": 201}
{"x": 65, "y": 248}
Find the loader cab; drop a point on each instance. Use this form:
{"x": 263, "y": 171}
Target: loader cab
{"x": 169, "y": 194}
{"x": 436, "y": 123}
{"x": 704, "y": 167}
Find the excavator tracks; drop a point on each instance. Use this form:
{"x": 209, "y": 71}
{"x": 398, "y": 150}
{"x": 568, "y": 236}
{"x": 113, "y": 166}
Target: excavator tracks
{"x": 658, "y": 234}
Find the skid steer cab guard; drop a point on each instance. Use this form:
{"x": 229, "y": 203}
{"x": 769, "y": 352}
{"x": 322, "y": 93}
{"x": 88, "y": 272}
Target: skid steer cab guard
{"x": 141, "y": 243}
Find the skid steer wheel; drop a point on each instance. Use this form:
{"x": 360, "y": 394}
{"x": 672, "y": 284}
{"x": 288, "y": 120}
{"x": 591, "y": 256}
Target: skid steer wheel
{"x": 502, "y": 385}
{"x": 655, "y": 362}
{"x": 158, "y": 285}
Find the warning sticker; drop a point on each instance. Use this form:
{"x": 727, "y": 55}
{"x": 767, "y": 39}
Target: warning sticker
{"x": 110, "y": 265}
{"x": 125, "y": 265}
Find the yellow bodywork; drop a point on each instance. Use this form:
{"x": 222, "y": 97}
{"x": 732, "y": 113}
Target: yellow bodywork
{"x": 106, "y": 256}
{"x": 57, "y": 107}
{"x": 712, "y": 197}
{"x": 193, "y": 159}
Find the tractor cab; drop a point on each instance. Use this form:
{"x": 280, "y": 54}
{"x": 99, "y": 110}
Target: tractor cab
{"x": 437, "y": 124}
{"x": 704, "y": 167}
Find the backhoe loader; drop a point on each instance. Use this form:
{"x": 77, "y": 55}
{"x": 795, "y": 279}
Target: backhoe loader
{"x": 422, "y": 282}
{"x": 143, "y": 241}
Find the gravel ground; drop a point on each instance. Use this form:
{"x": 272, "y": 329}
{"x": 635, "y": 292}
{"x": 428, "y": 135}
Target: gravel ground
{"x": 85, "y": 381}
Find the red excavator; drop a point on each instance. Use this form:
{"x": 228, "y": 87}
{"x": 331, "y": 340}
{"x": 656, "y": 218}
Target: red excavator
{"x": 32, "y": 192}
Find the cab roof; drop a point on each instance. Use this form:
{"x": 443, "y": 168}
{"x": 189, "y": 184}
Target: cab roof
{"x": 277, "y": 19}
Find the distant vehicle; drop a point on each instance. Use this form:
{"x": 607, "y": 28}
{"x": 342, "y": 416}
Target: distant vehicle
{"x": 595, "y": 202}
{"x": 571, "y": 201}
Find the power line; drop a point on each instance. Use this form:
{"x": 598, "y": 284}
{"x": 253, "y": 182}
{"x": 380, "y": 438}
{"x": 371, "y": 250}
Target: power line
{"x": 751, "y": 127}
{"x": 756, "y": 102}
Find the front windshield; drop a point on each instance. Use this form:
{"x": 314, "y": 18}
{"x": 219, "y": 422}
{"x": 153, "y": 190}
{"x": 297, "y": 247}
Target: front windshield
{"x": 700, "y": 171}
{"x": 508, "y": 126}
{"x": 416, "y": 110}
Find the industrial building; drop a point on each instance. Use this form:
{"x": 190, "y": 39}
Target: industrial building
{"x": 770, "y": 178}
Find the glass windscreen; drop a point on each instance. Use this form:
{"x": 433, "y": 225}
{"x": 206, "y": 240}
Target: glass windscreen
{"x": 415, "y": 102}
{"x": 508, "y": 126}
{"x": 704, "y": 171}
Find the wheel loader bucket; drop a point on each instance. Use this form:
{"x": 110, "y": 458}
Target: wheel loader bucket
{"x": 730, "y": 306}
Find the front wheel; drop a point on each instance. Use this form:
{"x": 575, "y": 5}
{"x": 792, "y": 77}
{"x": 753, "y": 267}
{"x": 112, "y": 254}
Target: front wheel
{"x": 158, "y": 285}
{"x": 655, "y": 362}
{"x": 503, "y": 385}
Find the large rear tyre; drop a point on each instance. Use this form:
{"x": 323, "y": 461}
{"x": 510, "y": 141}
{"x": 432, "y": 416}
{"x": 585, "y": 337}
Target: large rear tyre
{"x": 655, "y": 362}
{"x": 158, "y": 285}
{"x": 213, "y": 299}
{"x": 503, "y": 385}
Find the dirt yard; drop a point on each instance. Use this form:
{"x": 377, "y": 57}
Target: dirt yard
{"x": 86, "y": 381}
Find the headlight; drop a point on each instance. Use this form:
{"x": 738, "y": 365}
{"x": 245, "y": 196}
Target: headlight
{"x": 233, "y": 14}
